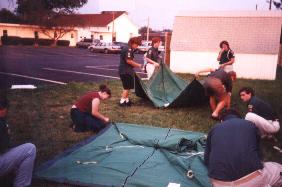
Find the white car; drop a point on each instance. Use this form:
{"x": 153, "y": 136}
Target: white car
{"x": 145, "y": 46}
{"x": 105, "y": 47}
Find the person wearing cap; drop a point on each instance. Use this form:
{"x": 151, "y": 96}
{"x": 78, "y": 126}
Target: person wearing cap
{"x": 85, "y": 112}
{"x": 152, "y": 57}
{"x": 226, "y": 57}
{"x": 233, "y": 156}
{"x": 14, "y": 161}
{"x": 260, "y": 112}
{"x": 126, "y": 70}
{"x": 218, "y": 87}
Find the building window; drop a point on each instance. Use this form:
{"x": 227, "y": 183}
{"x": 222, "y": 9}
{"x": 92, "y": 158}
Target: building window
{"x": 55, "y": 34}
{"x": 101, "y": 37}
{"x": 92, "y": 36}
{"x": 109, "y": 28}
{"x": 36, "y": 35}
{"x": 72, "y": 35}
{"x": 5, "y": 33}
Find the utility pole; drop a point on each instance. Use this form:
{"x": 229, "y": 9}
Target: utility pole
{"x": 148, "y": 29}
{"x": 113, "y": 29}
{"x": 270, "y": 4}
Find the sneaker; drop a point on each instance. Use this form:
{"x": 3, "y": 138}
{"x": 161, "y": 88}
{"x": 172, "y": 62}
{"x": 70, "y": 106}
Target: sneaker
{"x": 123, "y": 104}
{"x": 129, "y": 103}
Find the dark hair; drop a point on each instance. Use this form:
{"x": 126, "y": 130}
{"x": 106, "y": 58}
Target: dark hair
{"x": 134, "y": 40}
{"x": 155, "y": 40}
{"x": 229, "y": 112}
{"x": 3, "y": 103}
{"x": 224, "y": 42}
{"x": 104, "y": 88}
{"x": 248, "y": 90}
{"x": 232, "y": 74}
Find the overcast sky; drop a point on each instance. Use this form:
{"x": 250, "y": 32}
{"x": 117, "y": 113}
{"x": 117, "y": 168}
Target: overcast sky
{"x": 161, "y": 13}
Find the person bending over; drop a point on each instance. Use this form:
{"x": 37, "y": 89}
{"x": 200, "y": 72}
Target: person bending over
{"x": 85, "y": 112}
{"x": 17, "y": 161}
{"x": 260, "y": 112}
{"x": 218, "y": 86}
{"x": 126, "y": 70}
{"x": 152, "y": 57}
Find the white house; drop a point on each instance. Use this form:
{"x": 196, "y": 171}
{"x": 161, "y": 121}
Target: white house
{"x": 102, "y": 26}
{"x": 253, "y": 35}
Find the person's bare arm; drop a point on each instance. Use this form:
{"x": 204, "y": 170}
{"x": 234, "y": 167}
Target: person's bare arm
{"x": 207, "y": 70}
{"x": 230, "y": 62}
{"x": 95, "y": 110}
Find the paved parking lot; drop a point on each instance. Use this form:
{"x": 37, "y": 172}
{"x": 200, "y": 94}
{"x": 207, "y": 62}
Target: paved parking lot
{"x": 46, "y": 65}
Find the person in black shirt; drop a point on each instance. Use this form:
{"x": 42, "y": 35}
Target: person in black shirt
{"x": 218, "y": 86}
{"x": 126, "y": 69}
{"x": 233, "y": 157}
{"x": 18, "y": 160}
{"x": 260, "y": 112}
{"x": 226, "y": 57}
{"x": 152, "y": 57}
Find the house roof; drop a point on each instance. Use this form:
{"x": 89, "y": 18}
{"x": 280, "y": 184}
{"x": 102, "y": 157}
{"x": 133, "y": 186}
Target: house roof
{"x": 94, "y": 20}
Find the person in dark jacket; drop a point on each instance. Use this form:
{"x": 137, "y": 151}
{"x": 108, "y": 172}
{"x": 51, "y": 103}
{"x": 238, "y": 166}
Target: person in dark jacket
{"x": 233, "y": 156}
{"x": 226, "y": 57}
{"x": 152, "y": 57}
{"x": 126, "y": 69}
{"x": 18, "y": 160}
{"x": 260, "y": 112}
{"x": 218, "y": 86}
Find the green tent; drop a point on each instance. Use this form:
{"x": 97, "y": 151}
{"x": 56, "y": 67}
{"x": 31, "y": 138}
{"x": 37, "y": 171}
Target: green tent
{"x": 166, "y": 89}
{"x": 132, "y": 155}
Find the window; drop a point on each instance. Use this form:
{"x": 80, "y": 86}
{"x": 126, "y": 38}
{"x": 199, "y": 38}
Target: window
{"x": 72, "y": 35}
{"x": 101, "y": 37}
{"x": 109, "y": 28}
{"x": 55, "y": 34}
{"x": 36, "y": 35}
{"x": 92, "y": 36}
{"x": 5, "y": 33}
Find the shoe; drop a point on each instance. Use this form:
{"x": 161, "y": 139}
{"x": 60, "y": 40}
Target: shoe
{"x": 122, "y": 104}
{"x": 129, "y": 103}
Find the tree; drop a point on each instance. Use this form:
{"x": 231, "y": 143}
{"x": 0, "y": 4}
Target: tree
{"x": 6, "y": 16}
{"x": 277, "y": 4}
{"x": 144, "y": 30}
{"x": 52, "y": 16}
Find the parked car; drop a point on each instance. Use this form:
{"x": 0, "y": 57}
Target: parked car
{"x": 105, "y": 47}
{"x": 86, "y": 42}
{"x": 121, "y": 44}
{"x": 145, "y": 46}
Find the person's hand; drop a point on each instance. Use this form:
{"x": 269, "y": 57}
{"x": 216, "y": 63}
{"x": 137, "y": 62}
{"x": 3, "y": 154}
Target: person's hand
{"x": 156, "y": 65}
{"x": 107, "y": 120}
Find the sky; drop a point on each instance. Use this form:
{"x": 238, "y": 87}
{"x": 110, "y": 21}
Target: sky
{"x": 161, "y": 13}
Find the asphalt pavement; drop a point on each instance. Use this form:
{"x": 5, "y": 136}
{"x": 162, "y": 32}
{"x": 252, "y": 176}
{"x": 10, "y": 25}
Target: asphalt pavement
{"x": 43, "y": 66}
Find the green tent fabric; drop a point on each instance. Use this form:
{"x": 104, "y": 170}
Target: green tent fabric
{"x": 166, "y": 89}
{"x": 132, "y": 155}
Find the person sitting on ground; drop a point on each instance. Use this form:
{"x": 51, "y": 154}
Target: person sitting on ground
{"x": 126, "y": 70}
{"x": 17, "y": 161}
{"x": 233, "y": 157}
{"x": 226, "y": 57}
{"x": 260, "y": 112}
{"x": 85, "y": 112}
{"x": 152, "y": 57}
{"x": 218, "y": 86}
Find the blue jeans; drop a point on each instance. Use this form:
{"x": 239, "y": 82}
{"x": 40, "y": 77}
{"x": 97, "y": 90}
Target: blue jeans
{"x": 20, "y": 161}
{"x": 85, "y": 122}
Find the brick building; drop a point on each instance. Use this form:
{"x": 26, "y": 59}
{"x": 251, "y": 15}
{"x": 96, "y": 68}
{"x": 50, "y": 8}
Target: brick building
{"x": 253, "y": 35}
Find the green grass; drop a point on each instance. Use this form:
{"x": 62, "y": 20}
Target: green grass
{"x": 41, "y": 116}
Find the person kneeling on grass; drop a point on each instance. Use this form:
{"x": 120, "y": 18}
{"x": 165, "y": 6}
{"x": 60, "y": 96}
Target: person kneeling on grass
{"x": 17, "y": 161}
{"x": 85, "y": 112}
{"x": 218, "y": 86}
{"x": 260, "y": 113}
{"x": 126, "y": 71}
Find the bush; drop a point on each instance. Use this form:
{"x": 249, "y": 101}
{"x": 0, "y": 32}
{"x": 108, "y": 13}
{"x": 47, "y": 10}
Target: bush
{"x": 27, "y": 41}
{"x": 45, "y": 42}
{"x": 10, "y": 40}
{"x": 63, "y": 43}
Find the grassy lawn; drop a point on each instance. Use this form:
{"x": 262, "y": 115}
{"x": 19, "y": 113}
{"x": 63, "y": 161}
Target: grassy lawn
{"x": 42, "y": 117}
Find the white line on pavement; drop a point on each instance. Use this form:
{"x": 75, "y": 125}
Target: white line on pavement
{"x": 94, "y": 67}
{"x": 104, "y": 66}
{"x": 35, "y": 78}
{"x": 78, "y": 72}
